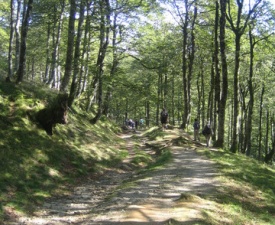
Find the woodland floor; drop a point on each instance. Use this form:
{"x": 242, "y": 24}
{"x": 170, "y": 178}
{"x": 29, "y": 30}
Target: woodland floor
{"x": 177, "y": 193}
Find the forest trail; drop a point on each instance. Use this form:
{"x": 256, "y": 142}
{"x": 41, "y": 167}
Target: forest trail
{"x": 177, "y": 193}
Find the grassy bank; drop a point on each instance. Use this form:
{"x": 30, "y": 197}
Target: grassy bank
{"x": 247, "y": 193}
{"x": 35, "y": 166}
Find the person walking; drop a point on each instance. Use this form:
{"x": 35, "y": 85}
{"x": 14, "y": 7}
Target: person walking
{"x": 196, "y": 127}
{"x": 207, "y": 132}
{"x": 164, "y": 118}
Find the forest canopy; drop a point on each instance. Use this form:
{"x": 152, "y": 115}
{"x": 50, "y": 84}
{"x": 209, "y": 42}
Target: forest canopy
{"x": 205, "y": 59}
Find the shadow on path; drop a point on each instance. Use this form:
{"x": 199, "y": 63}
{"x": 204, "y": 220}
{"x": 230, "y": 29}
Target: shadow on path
{"x": 156, "y": 197}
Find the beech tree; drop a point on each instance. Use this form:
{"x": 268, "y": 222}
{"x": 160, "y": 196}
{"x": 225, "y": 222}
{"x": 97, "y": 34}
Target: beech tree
{"x": 238, "y": 27}
{"x": 70, "y": 48}
{"x": 23, "y": 45}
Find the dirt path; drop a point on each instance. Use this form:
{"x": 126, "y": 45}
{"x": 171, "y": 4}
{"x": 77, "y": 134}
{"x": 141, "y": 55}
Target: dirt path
{"x": 176, "y": 194}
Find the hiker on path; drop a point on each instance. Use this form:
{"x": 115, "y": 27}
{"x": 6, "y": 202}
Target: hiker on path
{"x": 207, "y": 132}
{"x": 141, "y": 123}
{"x": 136, "y": 124}
{"x": 196, "y": 127}
{"x": 164, "y": 118}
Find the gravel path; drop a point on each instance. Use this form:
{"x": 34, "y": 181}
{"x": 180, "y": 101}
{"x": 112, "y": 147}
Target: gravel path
{"x": 121, "y": 196}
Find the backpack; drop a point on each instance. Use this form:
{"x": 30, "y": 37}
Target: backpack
{"x": 164, "y": 115}
{"x": 196, "y": 125}
{"x": 206, "y": 130}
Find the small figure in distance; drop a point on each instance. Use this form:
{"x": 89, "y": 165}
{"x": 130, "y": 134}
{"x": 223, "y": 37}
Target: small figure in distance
{"x": 196, "y": 127}
{"x": 131, "y": 124}
{"x": 136, "y": 124}
{"x": 163, "y": 118}
{"x": 141, "y": 123}
{"x": 207, "y": 132}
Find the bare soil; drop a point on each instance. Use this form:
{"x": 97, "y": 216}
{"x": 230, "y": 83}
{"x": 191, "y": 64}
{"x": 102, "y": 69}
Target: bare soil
{"x": 179, "y": 192}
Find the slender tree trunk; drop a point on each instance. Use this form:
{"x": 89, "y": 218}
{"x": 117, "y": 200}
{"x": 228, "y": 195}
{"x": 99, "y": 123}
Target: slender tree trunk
{"x": 24, "y": 32}
{"x": 243, "y": 119}
{"x": 184, "y": 66}
{"x": 10, "y": 64}
{"x": 173, "y": 99}
{"x": 70, "y": 48}
{"x": 147, "y": 113}
{"x": 191, "y": 61}
{"x": 269, "y": 155}
{"x": 85, "y": 53}
{"x": 238, "y": 30}
{"x": 17, "y": 35}
{"x": 266, "y": 133}
{"x": 251, "y": 96}
{"x": 113, "y": 70}
{"x": 56, "y": 37}
{"x": 216, "y": 69}
{"x": 260, "y": 124}
{"x": 159, "y": 105}
{"x": 104, "y": 42}
{"x": 77, "y": 54}
{"x": 48, "y": 59}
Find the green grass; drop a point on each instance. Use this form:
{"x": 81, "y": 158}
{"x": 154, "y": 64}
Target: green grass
{"x": 35, "y": 166}
{"x": 247, "y": 194}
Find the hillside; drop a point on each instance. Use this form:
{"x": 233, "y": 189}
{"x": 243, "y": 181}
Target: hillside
{"x": 35, "y": 166}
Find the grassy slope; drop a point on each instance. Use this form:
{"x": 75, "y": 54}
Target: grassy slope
{"x": 247, "y": 195}
{"x": 35, "y": 166}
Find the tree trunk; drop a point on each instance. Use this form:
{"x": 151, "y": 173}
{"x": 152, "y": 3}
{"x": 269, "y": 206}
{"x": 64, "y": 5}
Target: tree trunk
{"x": 17, "y": 35}
{"x": 10, "y": 66}
{"x": 104, "y": 42}
{"x": 70, "y": 48}
{"x": 159, "y": 99}
{"x": 260, "y": 125}
{"x": 269, "y": 155}
{"x": 251, "y": 96}
{"x": 86, "y": 51}
{"x": 217, "y": 79}
{"x": 267, "y": 132}
{"x": 113, "y": 70}
{"x": 56, "y": 37}
{"x": 184, "y": 67}
{"x": 238, "y": 30}
{"x": 191, "y": 62}
{"x": 77, "y": 54}
{"x": 24, "y": 32}
{"x": 48, "y": 59}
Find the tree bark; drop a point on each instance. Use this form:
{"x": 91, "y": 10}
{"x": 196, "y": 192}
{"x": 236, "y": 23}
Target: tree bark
{"x": 10, "y": 64}
{"x": 224, "y": 89}
{"x": 184, "y": 66}
{"x": 114, "y": 66}
{"x": 251, "y": 96}
{"x": 56, "y": 38}
{"x": 238, "y": 30}
{"x": 260, "y": 124}
{"x": 70, "y": 48}
{"x": 17, "y": 35}
{"x": 24, "y": 32}
{"x": 77, "y": 54}
{"x": 269, "y": 155}
{"x": 104, "y": 42}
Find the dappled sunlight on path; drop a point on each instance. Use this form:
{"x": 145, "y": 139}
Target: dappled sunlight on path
{"x": 177, "y": 192}
{"x": 155, "y": 197}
